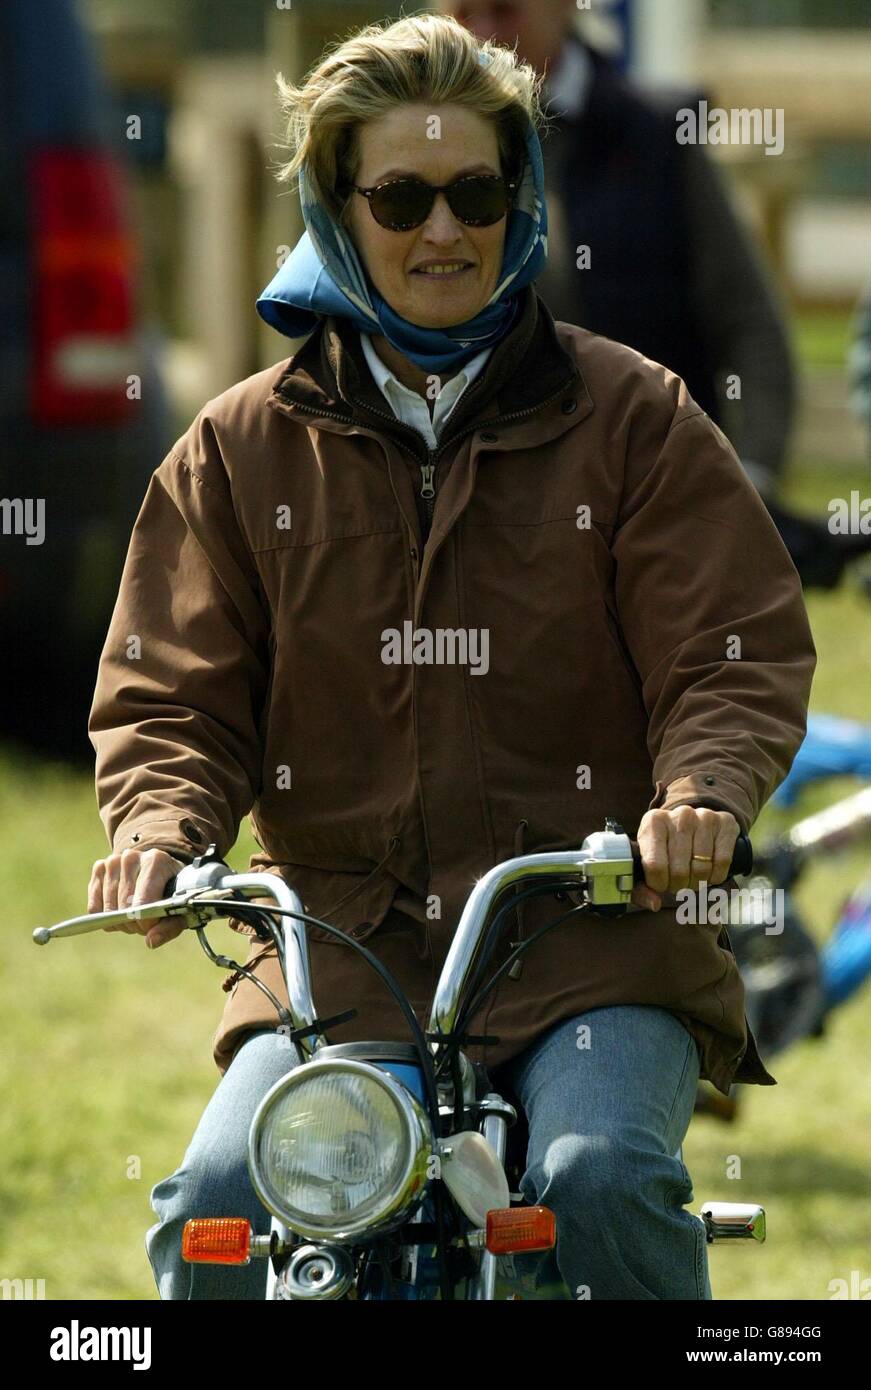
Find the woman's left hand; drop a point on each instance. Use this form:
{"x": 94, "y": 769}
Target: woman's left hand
{"x": 682, "y": 847}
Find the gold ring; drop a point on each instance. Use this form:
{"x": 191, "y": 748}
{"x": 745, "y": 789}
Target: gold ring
{"x": 704, "y": 858}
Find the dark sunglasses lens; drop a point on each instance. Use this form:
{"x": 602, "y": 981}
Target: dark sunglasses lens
{"x": 479, "y": 202}
{"x": 406, "y": 203}
{"x": 403, "y": 204}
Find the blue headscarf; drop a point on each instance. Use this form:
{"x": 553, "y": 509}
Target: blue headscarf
{"x": 323, "y": 275}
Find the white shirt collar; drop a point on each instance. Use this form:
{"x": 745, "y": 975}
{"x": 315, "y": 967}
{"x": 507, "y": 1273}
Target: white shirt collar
{"x": 408, "y": 405}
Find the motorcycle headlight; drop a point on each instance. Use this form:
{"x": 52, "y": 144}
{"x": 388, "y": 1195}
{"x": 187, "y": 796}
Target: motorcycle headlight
{"x": 339, "y": 1148}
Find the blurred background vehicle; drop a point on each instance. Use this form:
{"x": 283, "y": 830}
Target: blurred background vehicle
{"x": 83, "y": 413}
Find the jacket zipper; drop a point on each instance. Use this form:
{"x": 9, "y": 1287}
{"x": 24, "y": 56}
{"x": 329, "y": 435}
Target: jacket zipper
{"x": 427, "y": 470}
{"x": 427, "y": 489}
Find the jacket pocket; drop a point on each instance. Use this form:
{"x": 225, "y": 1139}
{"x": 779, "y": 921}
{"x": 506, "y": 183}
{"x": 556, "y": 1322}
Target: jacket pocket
{"x": 323, "y": 893}
{"x": 359, "y": 915}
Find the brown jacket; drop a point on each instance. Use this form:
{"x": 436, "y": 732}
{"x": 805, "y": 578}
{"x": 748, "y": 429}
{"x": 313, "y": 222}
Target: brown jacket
{"x": 281, "y": 538}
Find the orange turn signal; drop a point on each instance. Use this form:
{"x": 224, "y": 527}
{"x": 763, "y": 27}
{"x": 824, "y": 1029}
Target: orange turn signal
{"x": 510, "y": 1229}
{"x": 218, "y": 1240}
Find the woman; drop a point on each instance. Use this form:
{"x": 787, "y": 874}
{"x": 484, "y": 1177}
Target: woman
{"x": 450, "y": 584}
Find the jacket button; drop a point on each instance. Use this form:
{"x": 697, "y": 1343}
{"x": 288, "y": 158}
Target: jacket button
{"x": 361, "y": 926}
{"x": 190, "y": 830}
{"x": 489, "y": 438}
{"x": 569, "y": 406}
{"x": 709, "y": 781}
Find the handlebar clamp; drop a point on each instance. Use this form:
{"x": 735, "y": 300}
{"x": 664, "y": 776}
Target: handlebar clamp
{"x": 610, "y": 876}
{"x": 202, "y": 873}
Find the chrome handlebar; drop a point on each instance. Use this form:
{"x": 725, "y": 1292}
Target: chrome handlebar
{"x": 605, "y": 867}
{"x": 212, "y": 880}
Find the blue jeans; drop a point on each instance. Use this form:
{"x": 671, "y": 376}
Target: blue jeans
{"x": 608, "y": 1096}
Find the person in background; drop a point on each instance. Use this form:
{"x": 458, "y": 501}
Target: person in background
{"x": 666, "y": 263}
{"x": 672, "y": 270}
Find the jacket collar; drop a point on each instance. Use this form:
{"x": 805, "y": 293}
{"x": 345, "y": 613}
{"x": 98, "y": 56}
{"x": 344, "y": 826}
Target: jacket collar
{"x": 528, "y": 369}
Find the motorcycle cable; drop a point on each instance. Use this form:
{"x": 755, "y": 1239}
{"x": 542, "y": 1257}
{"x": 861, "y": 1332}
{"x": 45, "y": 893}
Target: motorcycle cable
{"x": 225, "y": 963}
{"x": 417, "y": 1033}
{"x": 474, "y": 1004}
{"x": 450, "y": 1056}
{"x": 494, "y": 931}
{"x": 579, "y": 910}
{"x": 450, "y": 1059}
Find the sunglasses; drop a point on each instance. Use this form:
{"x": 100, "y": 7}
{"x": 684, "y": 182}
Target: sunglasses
{"x": 476, "y": 200}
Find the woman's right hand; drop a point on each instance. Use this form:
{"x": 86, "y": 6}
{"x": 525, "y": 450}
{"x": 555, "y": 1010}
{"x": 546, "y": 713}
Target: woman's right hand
{"x": 131, "y": 877}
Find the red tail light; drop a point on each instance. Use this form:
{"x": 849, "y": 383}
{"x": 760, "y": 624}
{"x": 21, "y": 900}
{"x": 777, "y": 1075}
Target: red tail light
{"x": 83, "y": 291}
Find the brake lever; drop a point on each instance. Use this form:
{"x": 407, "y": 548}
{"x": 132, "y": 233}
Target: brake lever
{"x": 95, "y": 921}
{"x": 199, "y": 876}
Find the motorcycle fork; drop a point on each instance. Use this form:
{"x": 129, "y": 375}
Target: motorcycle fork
{"x": 494, "y": 1127}
{"x": 282, "y": 1235}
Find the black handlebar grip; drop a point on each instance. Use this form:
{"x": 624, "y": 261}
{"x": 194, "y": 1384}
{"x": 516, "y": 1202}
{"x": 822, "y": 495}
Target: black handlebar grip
{"x": 742, "y": 859}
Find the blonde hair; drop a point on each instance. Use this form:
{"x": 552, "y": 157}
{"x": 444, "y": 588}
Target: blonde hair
{"x": 426, "y": 58}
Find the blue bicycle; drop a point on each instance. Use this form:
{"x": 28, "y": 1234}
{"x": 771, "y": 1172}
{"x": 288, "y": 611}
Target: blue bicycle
{"x": 792, "y": 984}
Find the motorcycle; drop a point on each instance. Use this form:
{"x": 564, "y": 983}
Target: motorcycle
{"x": 391, "y": 1170}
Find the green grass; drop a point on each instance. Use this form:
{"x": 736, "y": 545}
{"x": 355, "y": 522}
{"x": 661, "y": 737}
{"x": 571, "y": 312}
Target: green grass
{"x": 823, "y": 336}
{"x": 108, "y": 1056}
{"x": 803, "y": 1145}
{"x": 109, "y": 1048}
